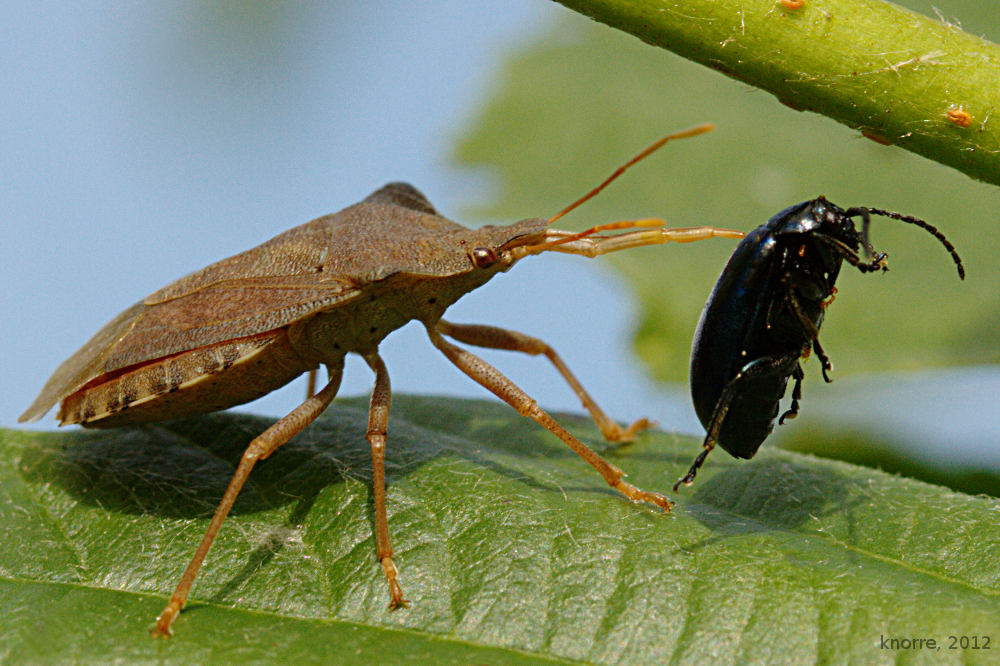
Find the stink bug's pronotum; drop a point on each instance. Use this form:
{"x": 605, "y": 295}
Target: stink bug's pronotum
{"x": 247, "y": 325}
{"x": 765, "y": 314}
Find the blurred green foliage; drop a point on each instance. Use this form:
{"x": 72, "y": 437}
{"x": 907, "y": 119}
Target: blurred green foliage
{"x": 582, "y": 99}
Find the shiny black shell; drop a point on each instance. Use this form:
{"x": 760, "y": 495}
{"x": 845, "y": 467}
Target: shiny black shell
{"x": 780, "y": 274}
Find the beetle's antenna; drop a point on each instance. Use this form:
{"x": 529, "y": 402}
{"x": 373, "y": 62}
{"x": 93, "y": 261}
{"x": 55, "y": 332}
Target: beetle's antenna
{"x": 652, "y": 148}
{"x": 931, "y": 229}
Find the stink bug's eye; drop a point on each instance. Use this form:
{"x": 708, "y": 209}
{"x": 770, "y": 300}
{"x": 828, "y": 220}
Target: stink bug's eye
{"x": 483, "y": 257}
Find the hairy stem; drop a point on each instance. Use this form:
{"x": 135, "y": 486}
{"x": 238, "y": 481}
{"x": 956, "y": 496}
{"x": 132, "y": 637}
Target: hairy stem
{"x": 899, "y": 77}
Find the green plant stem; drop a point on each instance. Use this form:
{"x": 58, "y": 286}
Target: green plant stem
{"x": 899, "y": 77}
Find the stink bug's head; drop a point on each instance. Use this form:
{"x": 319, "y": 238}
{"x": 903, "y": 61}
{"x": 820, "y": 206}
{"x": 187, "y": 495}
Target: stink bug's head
{"x": 494, "y": 249}
{"x": 474, "y": 256}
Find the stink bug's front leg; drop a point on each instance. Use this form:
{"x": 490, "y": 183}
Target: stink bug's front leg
{"x": 586, "y": 244}
{"x": 492, "y": 337}
{"x": 493, "y": 380}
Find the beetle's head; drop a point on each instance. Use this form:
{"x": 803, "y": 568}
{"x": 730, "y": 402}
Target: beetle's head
{"x": 816, "y": 216}
{"x": 836, "y": 229}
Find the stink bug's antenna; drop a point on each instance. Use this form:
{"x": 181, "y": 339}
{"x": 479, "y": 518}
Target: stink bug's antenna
{"x": 683, "y": 134}
{"x": 864, "y": 212}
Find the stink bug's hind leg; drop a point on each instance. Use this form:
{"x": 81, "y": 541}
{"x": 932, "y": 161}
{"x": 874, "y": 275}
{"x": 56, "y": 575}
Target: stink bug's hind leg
{"x": 491, "y": 337}
{"x": 502, "y": 387}
{"x": 260, "y": 448}
{"x": 378, "y": 422}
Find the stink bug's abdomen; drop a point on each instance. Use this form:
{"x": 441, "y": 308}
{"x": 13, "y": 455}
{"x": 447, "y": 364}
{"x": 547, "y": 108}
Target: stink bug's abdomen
{"x": 199, "y": 381}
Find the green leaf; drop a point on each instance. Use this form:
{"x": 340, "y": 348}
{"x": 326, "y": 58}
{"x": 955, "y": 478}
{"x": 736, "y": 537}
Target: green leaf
{"x": 510, "y": 547}
{"x": 582, "y": 99}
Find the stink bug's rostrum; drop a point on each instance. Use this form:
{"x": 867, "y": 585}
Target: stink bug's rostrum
{"x": 245, "y": 326}
{"x": 765, "y": 313}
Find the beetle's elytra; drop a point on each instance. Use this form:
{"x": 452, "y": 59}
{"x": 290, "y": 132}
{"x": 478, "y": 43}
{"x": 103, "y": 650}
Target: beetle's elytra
{"x": 765, "y": 313}
{"x": 249, "y": 324}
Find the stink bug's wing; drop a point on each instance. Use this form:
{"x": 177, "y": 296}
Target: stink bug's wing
{"x": 225, "y": 311}
{"x": 212, "y": 314}
{"x": 67, "y": 375}
{"x": 253, "y": 292}
{"x": 298, "y": 253}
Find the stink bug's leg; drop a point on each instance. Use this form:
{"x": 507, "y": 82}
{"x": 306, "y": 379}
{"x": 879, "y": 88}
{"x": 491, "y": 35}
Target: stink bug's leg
{"x": 752, "y": 370}
{"x": 378, "y": 422}
{"x": 260, "y": 448}
{"x": 499, "y": 338}
{"x": 798, "y": 376}
{"x": 311, "y": 383}
{"x": 491, "y": 378}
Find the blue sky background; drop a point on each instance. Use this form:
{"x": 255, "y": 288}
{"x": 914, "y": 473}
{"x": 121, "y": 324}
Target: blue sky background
{"x": 141, "y": 142}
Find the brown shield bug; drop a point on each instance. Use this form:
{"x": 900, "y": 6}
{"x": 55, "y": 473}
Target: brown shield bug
{"x": 249, "y": 324}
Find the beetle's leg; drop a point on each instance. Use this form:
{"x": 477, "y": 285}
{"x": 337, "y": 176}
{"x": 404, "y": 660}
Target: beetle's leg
{"x": 827, "y": 364}
{"x": 877, "y": 261}
{"x": 491, "y": 378}
{"x": 813, "y": 333}
{"x": 378, "y": 421}
{"x": 752, "y": 370}
{"x": 499, "y": 338}
{"x": 798, "y": 376}
{"x": 260, "y": 448}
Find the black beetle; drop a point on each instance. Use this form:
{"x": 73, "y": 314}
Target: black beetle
{"x": 765, "y": 313}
